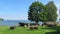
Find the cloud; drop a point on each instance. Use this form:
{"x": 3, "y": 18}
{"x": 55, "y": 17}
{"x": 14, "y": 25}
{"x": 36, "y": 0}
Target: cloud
{"x": 58, "y": 8}
{"x": 58, "y": 5}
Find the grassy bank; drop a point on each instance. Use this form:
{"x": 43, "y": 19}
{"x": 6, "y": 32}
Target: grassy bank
{"x": 22, "y": 30}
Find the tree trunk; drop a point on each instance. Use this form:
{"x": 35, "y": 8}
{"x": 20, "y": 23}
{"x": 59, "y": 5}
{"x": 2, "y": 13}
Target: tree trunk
{"x": 37, "y": 22}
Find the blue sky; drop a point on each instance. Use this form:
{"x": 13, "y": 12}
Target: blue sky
{"x": 18, "y": 9}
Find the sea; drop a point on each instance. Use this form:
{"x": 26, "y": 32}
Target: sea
{"x": 14, "y": 22}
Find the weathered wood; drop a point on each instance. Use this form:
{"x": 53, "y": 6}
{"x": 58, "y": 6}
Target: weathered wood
{"x": 32, "y": 26}
{"x": 50, "y": 24}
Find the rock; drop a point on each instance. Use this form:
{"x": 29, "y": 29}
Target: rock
{"x": 11, "y": 28}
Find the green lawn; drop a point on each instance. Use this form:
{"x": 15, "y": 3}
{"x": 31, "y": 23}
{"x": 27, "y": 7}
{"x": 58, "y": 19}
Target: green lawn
{"x": 22, "y": 30}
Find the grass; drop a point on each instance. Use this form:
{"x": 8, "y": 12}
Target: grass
{"x": 22, "y": 30}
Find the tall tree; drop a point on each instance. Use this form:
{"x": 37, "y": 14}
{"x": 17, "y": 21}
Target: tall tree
{"x": 34, "y": 10}
{"x": 52, "y": 11}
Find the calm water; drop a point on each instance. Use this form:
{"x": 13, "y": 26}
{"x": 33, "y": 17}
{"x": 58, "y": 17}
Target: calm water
{"x": 13, "y": 22}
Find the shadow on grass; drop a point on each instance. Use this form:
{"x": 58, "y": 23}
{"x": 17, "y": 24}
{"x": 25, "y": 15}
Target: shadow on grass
{"x": 31, "y": 29}
{"x": 57, "y": 32}
{"x": 52, "y": 28}
{"x": 57, "y": 28}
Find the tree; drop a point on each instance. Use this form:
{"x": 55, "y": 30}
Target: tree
{"x": 34, "y": 10}
{"x": 52, "y": 11}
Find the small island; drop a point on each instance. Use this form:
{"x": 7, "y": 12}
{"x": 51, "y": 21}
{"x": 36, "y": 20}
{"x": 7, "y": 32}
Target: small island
{"x": 1, "y": 19}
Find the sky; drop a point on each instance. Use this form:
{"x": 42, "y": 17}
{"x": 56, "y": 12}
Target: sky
{"x": 18, "y": 9}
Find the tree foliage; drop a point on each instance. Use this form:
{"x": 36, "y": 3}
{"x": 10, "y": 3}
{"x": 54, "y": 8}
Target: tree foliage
{"x": 43, "y": 15}
{"x": 52, "y": 11}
